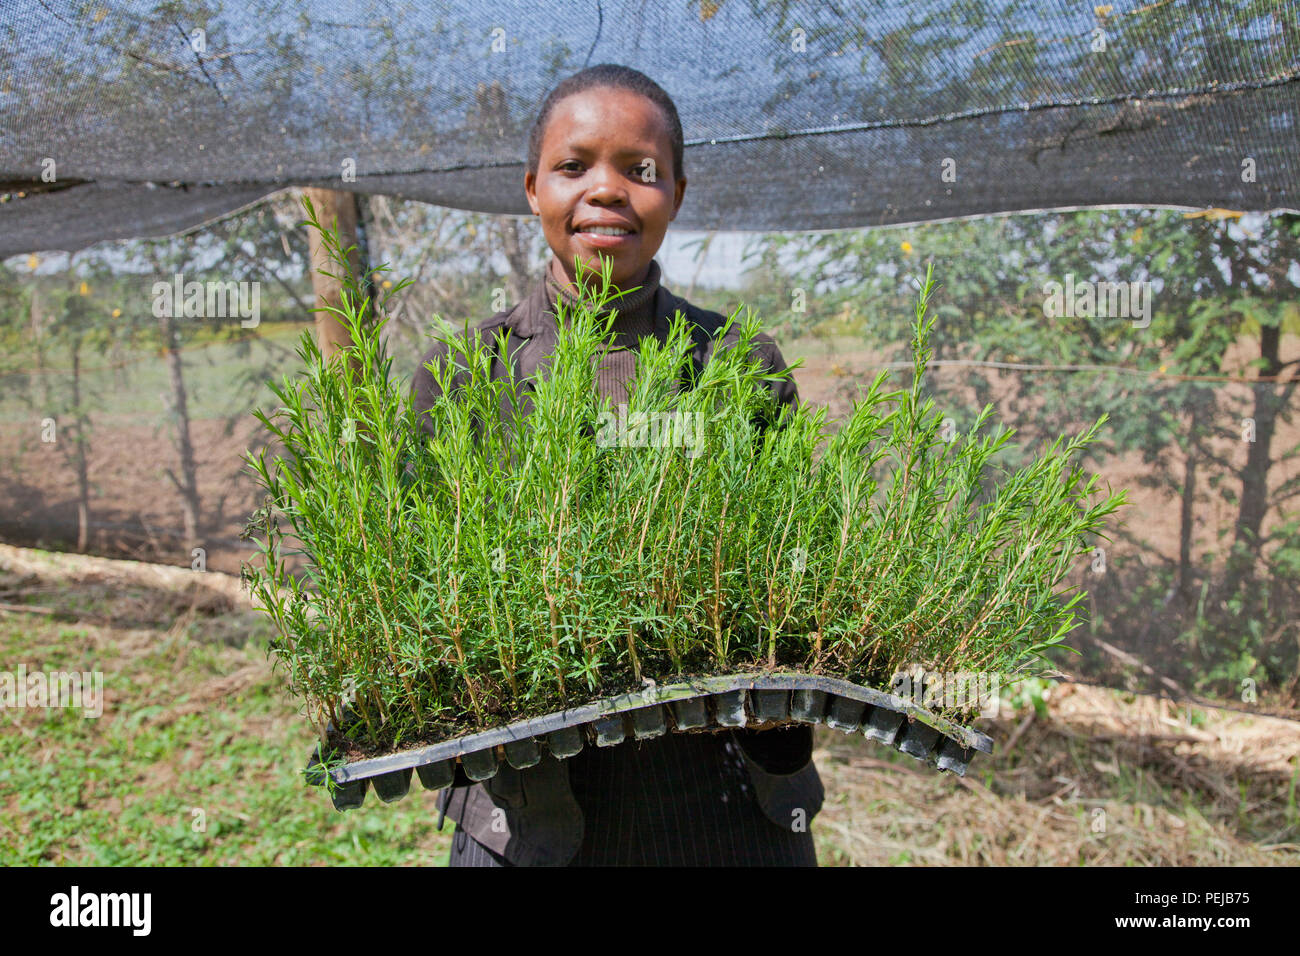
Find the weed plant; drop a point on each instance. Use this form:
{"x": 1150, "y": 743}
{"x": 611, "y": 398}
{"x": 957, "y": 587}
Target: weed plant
{"x": 508, "y": 563}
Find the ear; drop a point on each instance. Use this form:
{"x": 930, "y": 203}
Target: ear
{"x": 678, "y": 192}
{"x": 530, "y": 190}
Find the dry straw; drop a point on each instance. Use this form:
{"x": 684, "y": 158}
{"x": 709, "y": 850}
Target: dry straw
{"x": 509, "y": 565}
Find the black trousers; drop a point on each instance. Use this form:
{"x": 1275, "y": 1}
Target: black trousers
{"x": 675, "y": 800}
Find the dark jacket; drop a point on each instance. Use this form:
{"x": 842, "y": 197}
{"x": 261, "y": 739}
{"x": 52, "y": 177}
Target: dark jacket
{"x": 531, "y": 816}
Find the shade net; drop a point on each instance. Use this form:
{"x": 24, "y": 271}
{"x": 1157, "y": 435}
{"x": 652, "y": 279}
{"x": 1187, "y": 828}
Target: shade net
{"x": 140, "y": 118}
{"x": 122, "y": 434}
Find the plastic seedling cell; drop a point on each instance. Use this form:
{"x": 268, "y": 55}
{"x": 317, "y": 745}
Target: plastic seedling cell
{"x": 481, "y": 764}
{"x": 564, "y": 743}
{"x": 918, "y": 739}
{"x": 392, "y": 786}
{"x": 437, "y": 775}
{"x": 808, "y": 706}
{"x": 610, "y": 731}
{"x": 522, "y": 754}
{"x": 349, "y": 796}
{"x": 882, "y": 726}
{"x": 845, "y": 713}
{"x": 730, "y": 708}
{"x": 954, "y": 757}
{"x": 648, "y": 722}
{"x": 770, "y": 705}
{"x": 692, "y": 714}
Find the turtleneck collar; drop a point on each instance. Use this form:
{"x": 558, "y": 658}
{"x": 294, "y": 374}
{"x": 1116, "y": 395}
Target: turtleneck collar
{"x": 635, "y": 310}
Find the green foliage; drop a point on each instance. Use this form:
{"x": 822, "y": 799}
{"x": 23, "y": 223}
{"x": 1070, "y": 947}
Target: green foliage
{"x": 175, "y": 772}
{"x": 499, "y": 567}
{"x": 1032, "y": 692}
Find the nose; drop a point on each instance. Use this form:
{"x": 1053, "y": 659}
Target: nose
{"x": 607, "y": 188}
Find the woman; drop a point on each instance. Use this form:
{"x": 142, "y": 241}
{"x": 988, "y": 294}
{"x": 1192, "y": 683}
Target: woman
{"x": 605, "y": 176}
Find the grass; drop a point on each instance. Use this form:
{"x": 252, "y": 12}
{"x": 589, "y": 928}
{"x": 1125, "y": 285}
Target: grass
{"x": 188, "y": 726}
{"x": 470, "y": 568}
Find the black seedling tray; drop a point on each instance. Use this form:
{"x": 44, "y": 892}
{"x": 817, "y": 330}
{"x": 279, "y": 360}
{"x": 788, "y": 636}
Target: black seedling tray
{"x": 709, "y": 704}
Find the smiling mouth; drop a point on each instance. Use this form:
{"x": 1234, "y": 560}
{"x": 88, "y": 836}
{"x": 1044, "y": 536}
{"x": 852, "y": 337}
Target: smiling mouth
{"x": 609, "y": 231}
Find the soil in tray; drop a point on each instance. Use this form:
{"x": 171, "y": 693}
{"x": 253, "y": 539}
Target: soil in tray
{"x": 352, "y": 750}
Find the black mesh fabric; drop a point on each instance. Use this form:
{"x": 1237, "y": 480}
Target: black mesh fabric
{"x": 119, "y": 120}
{"x": 157, "y": 117}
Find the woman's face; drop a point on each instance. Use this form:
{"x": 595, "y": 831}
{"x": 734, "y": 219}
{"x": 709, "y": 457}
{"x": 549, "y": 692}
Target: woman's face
{"x": 592, "y": 171}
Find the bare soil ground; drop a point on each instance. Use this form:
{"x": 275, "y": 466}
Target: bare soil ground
{"x": 135, "y": 511}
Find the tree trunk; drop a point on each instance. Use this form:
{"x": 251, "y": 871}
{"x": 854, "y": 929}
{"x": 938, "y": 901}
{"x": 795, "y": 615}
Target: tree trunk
{"x": 519, "y": 280}
{"x": 331, "y": 206}
{"x": 1187, "y": 514}
{"x": 187, "y": 484}
{"x": 1269, "y": 402}
{"x": 38, "y": 340}
{"x": 1254, "y": 478}
{"x": 79, "y": 450}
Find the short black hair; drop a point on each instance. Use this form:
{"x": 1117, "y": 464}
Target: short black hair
{"x": 611, "y": 76}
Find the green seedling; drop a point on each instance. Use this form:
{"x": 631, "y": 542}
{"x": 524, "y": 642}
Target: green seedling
{"x": 495, "y": 567}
